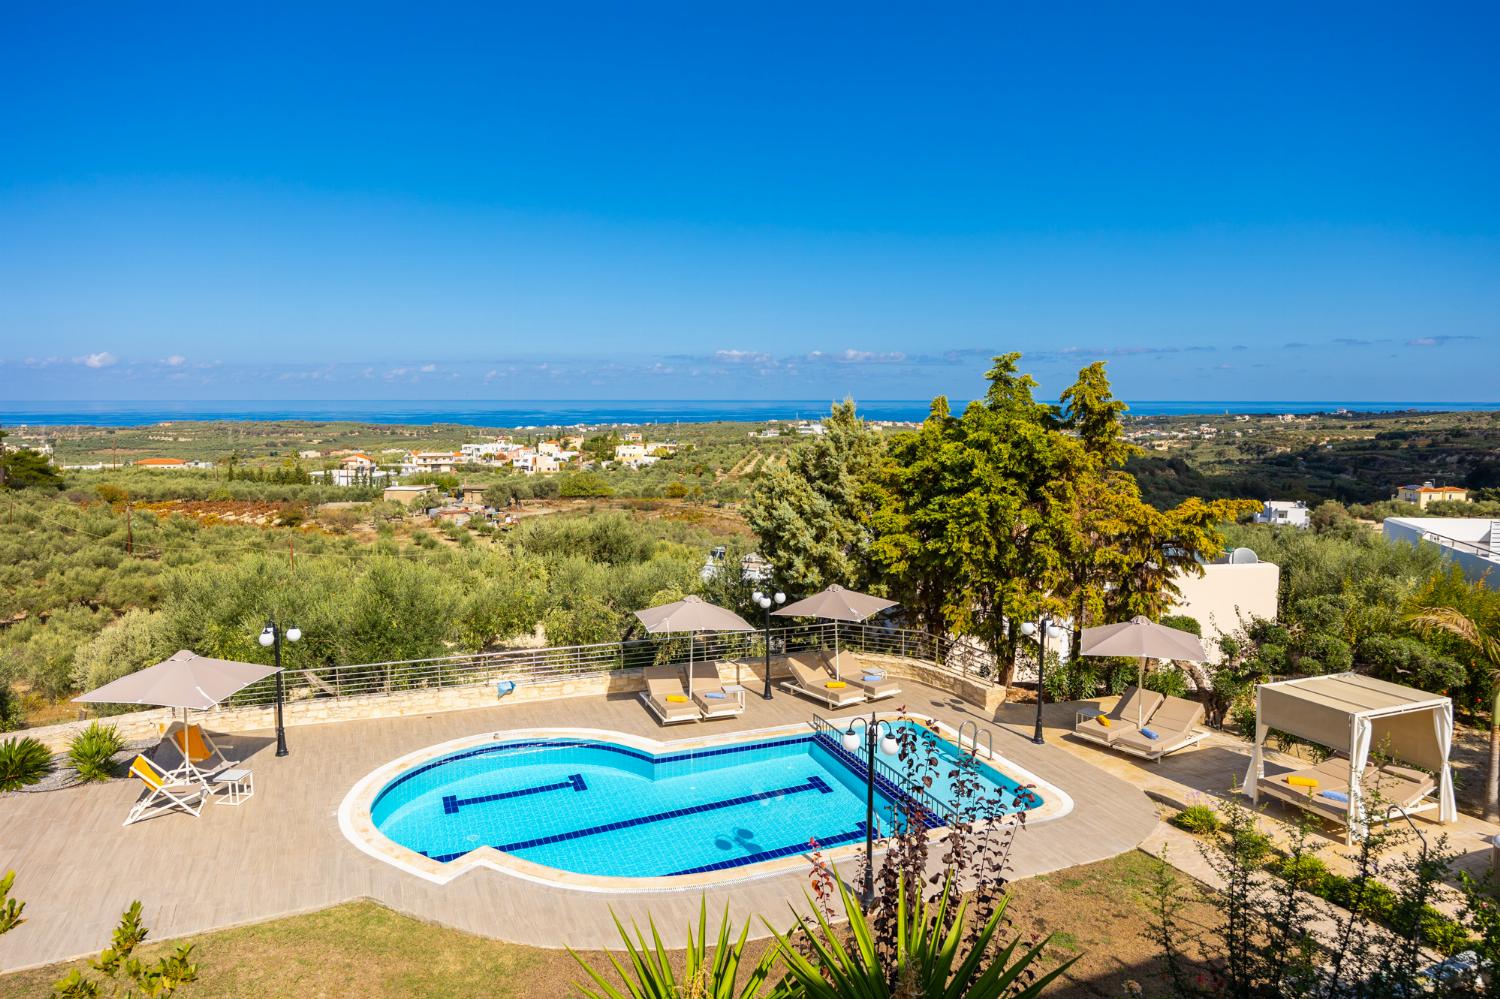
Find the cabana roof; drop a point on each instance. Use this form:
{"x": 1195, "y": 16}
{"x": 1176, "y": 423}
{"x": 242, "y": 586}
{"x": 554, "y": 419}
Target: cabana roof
{"x": 1320, "y": 707}
{"x": 1356, "y": 715}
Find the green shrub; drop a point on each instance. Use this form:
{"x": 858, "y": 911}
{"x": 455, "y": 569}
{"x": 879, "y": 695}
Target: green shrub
{"x": 1199, "y": 819}
{"x": 92, "y": 751}
{"x": 1242, "y": 716}
{"x": 1306, "y": 870}
{"x": 23, "y": 761}
{"x": 12, "y": 714}
{"x": 1167, "y": 680}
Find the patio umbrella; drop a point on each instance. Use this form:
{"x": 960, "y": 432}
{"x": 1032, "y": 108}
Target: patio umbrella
{"x": 837, "y": 604}
{"x": 186, "y": 680}
{"x": 691, "y": 615}
{"x": 1142, "y": 638}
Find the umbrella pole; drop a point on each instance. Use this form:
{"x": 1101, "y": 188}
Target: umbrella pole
{"x": 1140, "y": 690}
{"x": 838, "y": 667}
{"x": 692, "y": 636}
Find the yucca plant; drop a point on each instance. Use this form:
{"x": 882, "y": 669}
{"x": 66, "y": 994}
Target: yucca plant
{"x": 931, "y": 960}
{"x": 23, "y": 761}
{"x": 92, "y": 751}
{"x": 650, "y": 975}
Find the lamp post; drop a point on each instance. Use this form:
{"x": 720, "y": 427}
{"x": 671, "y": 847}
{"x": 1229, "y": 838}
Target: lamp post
{"x": 889, "y": 747}
{"x": 766, "y": 601}
{"x": 271, "y": 636}
{"x": 1041, "y": 630}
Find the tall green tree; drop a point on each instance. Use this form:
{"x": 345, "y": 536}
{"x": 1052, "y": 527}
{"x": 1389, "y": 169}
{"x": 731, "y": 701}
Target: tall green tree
{"x": 974, "y": 510}
{"x": 812, "y": 515}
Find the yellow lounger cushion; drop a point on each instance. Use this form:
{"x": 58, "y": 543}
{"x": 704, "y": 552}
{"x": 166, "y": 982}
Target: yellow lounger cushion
{"x": 835, "y": 685}
{"x": 1104, "y": 721}
{"x": 676, "y": 698}
{"x": 1299, "y": 781}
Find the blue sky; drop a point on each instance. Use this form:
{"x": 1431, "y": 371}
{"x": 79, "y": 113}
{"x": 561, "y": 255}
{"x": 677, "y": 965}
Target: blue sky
{"x": 257, "y": 202}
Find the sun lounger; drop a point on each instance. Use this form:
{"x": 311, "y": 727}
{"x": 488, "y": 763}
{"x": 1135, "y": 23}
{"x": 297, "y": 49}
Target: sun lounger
{"x": 666, "y": 696}
{"x": 1174, "y": 725}
{"x": 1391, "y": 783}
{"x": 810, "y": 679}
{"x": 1122, "y": 717}
{"x": 164, "y": 792}
{"x": 194, "y": 752}
{"x": 872, "y": 682}
{"x": 711, "y": 697}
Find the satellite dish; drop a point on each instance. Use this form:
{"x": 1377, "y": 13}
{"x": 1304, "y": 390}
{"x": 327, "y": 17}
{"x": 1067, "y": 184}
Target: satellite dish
{"x": 1243, "y": 556}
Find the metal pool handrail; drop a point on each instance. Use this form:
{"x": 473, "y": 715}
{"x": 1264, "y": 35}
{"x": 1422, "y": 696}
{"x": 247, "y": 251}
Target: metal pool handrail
{"x": 884, "y": 771}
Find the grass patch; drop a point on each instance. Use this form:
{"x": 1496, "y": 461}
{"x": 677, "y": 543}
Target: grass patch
{"x": 359, "y": 948}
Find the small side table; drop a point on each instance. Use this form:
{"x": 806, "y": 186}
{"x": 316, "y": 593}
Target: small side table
{"x": 737, "y": 690}
{"x": 237, "y": 785}
{"x": 1085, "y": 715}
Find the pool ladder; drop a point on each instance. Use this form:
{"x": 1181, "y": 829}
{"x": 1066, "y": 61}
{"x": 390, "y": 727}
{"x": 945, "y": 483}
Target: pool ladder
{"x": 989, "y": 740}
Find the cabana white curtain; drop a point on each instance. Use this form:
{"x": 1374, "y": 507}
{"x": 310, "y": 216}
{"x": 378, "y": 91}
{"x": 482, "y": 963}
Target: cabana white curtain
{"x": 1355, "y": 714}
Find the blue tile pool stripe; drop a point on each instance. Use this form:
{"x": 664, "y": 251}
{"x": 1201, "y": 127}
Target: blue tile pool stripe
{"x": 608, "y": 747}
{"x": 839, "y": 839}
{"x": 813, "y": 783}
{"x": 452, "y": 802}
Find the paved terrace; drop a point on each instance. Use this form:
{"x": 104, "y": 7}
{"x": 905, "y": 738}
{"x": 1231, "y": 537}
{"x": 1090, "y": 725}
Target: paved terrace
{"x": 282, "y": 852}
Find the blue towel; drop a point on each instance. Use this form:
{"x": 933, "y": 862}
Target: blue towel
{"x": 872, "y": 677}
{"x": 716, "y": 695}
{"x": 1149, "y": 734}
{"x": 1334, "y": 796}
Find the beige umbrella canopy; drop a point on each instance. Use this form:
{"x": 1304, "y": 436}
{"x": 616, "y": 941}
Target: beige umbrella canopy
{"x": 837, "y": 604}
{"x": 1142, "y": 638}
{"x": 186, "y": 680}
{"x": 691, "y": 614}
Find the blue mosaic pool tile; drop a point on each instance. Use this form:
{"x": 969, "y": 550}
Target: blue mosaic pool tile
{"x": 452, "y": 803}
{"x": 813, "y": 783}
{"x": 838, "y": 839}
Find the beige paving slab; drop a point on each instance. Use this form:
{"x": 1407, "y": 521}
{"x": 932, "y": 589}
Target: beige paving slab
{"x": 282, "y": 851}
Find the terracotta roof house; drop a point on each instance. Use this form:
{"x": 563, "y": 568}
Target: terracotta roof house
{"x": 162, "y": 463}
{"x": 1429, "y": 493}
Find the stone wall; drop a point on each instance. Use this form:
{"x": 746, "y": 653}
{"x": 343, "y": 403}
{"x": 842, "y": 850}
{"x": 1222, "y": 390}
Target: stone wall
{"x": 147, "y": 726}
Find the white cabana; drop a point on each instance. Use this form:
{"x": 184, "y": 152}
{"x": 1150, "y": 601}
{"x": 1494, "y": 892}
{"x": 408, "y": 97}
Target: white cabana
{"x": 1356, "y": 715}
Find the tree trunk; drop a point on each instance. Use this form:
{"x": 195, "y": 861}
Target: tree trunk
{"x": 1492, "y": 788}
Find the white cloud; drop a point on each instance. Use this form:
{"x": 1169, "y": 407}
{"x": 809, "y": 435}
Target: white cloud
{"x": 102, "y": 359}
{"x": 428, "y": 368}
{"x": 742, "y": 356}
{"x": 175, "y": 361}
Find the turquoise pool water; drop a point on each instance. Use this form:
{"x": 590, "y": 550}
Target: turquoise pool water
{"x": 596, "y": 807}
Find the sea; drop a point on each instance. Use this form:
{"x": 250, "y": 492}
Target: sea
{"x": 551, "y": 413}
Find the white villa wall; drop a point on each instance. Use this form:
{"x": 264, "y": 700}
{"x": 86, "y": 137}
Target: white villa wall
{"x": 1471, "y": 538}
{"x": 1224, "y": 595}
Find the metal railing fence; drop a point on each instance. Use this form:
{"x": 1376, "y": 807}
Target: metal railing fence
{"x": 588, "y": 661}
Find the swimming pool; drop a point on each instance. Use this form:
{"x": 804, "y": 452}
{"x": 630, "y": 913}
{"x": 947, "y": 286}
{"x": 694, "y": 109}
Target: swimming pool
{"x": 607, "y": 806}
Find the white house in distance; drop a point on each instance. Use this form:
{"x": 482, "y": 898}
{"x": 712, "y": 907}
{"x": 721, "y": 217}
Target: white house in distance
{"x": 171, "y": 464}
{"x": 1283, "y": 513}
{"x": 1472, "y": 542}
{"x": 1429, "y": 493}
{"x": 430, "y": 461}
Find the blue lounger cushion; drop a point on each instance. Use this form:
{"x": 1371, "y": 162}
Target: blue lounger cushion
{"x": 1149, "y": 734}
{"x": 1342, "y": 796}
{"x": 716, "y": 695}
{"x": 872, "y": 677}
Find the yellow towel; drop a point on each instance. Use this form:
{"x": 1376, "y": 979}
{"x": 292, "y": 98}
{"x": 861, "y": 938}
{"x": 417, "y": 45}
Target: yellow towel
{"x": 1104, "y": 721}
{"x": 1298, "y": 781}
{"x": 835, "y": 685}
{"x": 676, "y": 698}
